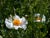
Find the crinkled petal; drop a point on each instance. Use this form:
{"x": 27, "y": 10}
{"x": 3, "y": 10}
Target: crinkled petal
{"x": 8, "y": 24}
{"x": 10, "y": 19}
{"x": 16, "y": 17}
{"x": 16, "y": 27}
{"x": 37, "y": 14}
{"x": 24, "y": 21}
{"x": 43, "y": 18}
{"x": 24, "y": 27}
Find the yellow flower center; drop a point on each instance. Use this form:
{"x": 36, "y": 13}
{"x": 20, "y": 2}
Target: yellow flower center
{"x": 16, "y": 22}
{"x": 38, "y": 18}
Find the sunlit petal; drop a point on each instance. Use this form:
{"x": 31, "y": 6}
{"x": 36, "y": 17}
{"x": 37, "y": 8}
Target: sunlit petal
{"x": 24, "y": 27}
{"x": 8, "y": 24}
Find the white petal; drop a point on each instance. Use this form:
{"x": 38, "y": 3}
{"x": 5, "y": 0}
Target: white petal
{"x": 8, "y": 24}
{"x": 10, "y": 19}
{"x": 24, "y": 21}
{"x": 38, "y": 20}
{"x": 16, "y": 17}
{"x": 24, "y": 27}
{"x": 43, "y": 18}
{"x": 16, "y": 27}
{"x": 37, "y": 14}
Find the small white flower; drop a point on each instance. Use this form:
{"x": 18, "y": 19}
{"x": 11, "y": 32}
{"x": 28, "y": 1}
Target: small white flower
{"x": 16, "y": 22}
{"x": 39, "y": 18}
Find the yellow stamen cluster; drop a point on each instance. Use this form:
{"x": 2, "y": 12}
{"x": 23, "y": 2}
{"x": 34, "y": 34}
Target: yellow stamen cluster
{"x": 38, "y": 18}
{"x": 16, "y": 22}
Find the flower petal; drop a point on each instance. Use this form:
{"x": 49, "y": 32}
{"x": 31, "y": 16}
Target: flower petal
{"x": 16, "y": 27}
{"x": 24, "y": 27}
{"x": 43, "y": 18}
{"x": 16, "y": 17}
{"x": 24, "y": 21}
{"x": 8, "y": 24}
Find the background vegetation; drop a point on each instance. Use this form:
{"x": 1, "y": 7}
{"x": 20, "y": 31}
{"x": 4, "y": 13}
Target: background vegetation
{"x": 22, "y": 8}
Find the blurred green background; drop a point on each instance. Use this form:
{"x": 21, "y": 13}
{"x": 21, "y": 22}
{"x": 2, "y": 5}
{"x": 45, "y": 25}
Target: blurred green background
{"x": 22, "y": 8}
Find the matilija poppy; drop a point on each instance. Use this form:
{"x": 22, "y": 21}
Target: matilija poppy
{"x": 16, "y": 22}
{"x": 39, "y": 18}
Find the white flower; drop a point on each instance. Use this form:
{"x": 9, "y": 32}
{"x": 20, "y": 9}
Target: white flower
{"x": 39, "y": 18}
{"x": 16, "y": 22}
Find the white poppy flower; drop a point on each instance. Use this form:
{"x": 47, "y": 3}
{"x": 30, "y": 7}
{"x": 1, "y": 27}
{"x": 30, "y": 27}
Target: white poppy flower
{"x": 39, "y": 18}
{"x": 16, "y": 22}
